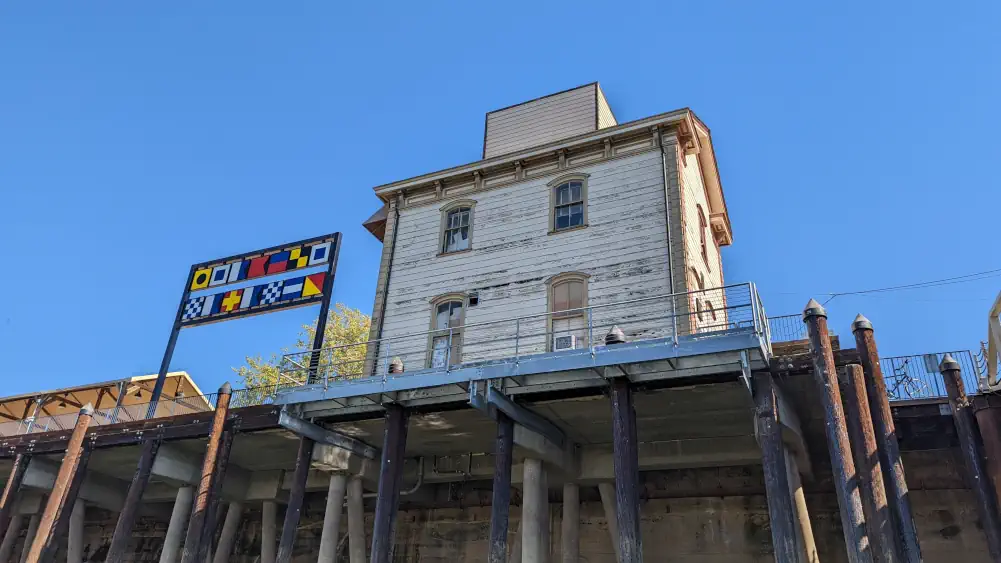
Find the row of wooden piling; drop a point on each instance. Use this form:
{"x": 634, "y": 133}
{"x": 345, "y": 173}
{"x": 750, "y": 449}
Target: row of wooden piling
{"x": 869, "y": 477}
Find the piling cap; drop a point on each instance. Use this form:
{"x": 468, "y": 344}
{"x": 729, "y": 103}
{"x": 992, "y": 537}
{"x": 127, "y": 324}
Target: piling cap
{"x": 948, "y": 364}
{"x": 814, "y": 309}
{"x": 861, "y": 323}
{"x": 87, "y": 409}
{"x": 615, "y": 336}
{"x": 226, "y": 389}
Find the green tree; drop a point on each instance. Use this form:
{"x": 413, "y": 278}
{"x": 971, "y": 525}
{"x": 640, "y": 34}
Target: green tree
{"x": 343, "y": 352}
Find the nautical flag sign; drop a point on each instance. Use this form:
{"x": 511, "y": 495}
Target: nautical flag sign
{"x": 292, "y": 275}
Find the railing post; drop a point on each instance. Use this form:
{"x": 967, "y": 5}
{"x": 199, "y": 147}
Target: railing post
{"x": 389, "y": 354}
{"x": 448, "y": 352}
{"x": 674, "y": 319}
{"x": 517, "y": 337}
{"x": 590, "y": 331}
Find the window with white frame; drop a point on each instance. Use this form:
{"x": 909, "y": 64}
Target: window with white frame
{"x": 457, "y": 229}
{"x": 448, "y": 316}
{"x": 569, "y": 204}
{"x": 568, "y": 317}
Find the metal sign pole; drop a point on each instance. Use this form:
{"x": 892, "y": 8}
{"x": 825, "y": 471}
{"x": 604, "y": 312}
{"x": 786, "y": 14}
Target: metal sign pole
{"x": 161, "y": 376}
{"x": 321, "y": 321}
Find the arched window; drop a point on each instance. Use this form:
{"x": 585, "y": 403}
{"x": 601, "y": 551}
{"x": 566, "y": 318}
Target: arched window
{"x": 568, "y": 202}
{"x": 567, "y": 304}
{"x": 448, "y": 314}
{"x": 703, "y": 225}
{"x": 456, "y": 226}
{"x": 700, "y": 282}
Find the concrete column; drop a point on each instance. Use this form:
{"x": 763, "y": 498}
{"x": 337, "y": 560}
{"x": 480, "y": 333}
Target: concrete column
{"x": 228, "y": 535}
{"x": 533, "y": 507}
{"x": 571, "y": 523}
{"x": 269, "y": 519}
{"x": 29, "y": 537}
{"x": 332, "y": 518}
{"x": 178, "y": 525}
{"x": 74, "y": 541}
{"x": 356, "y": 521}
{"x": 515, "y": 555}
{"x": 804, "y": 529}
{"x": 10, "y": 538}
{"x": 607, "y": 491}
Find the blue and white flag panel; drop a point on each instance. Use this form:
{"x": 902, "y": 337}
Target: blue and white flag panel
{"x": 262, "y": 298}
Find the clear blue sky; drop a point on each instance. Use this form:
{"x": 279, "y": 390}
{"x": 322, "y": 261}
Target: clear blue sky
{"x": 857, "y": 144}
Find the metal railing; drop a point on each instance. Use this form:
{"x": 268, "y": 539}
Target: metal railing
{"x": 166, "y": 406}
{"x": 917, "y": 377}
{"x": 692, "y": 315}
{"x": 787, "y": 328}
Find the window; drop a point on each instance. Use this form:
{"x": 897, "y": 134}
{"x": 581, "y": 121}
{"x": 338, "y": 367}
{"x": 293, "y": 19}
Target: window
{"x": 567, "y": 301}
{"x": 701, "y": 282}
{"x": 456, "y": 227}
{"x": 702, "y": 235}
{"x": 568, "y": 202}
{"x": 447, "y": 318}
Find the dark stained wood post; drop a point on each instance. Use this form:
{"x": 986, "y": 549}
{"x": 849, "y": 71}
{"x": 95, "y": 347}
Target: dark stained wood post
{"x": 193, "y": 552}
{"x": 625, "y": 463}
{"x": 883, "y": 426}
{"x": 989, "y": 424}
{"x": 773, "y": 460}
{"x": 839, "y": 448}
{"x": 294, "y": 507}
{"x": 64, "y": 490}
{"x": 500, "y": 507}
{"x": 962, "y": 415}
{"x": 867, "y": 466}
{"x": 127, "y": 517}
{"x": 9, "y": 496}
{"x": 387, "y": 502}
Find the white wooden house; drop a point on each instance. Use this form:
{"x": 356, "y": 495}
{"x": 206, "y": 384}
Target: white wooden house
{"x": 571, "y": 222}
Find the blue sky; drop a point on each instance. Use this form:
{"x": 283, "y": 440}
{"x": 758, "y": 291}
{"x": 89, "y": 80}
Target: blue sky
{"x": 856, "y": 144}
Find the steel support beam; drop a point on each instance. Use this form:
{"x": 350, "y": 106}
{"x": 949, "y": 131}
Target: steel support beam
{"x": 773, "y": 458}
{"x": 321, "y": 435}
{"x": 390, "y": 478}
{"x": 127, "y": 517}
{"x": 838, "y": 446}
{"x": 962, "y": 415}
{"x": 886, "y": 442}
{"x": 193, "y": 552}
{"x": 500, "y": 506}
{"x": 867, "y": 466}
{"x": 294, "y": 507}
{"x": 625, "y": 460}
{"x": 55, "y": 518}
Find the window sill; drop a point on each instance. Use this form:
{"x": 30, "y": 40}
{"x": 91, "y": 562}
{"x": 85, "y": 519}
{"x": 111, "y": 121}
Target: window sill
{"x": 453, "y": 252}
{"x": 569, "y": 229}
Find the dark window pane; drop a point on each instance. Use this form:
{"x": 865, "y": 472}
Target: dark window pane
{"x": 575, "y": 292}
{"x": 576, "y": 214}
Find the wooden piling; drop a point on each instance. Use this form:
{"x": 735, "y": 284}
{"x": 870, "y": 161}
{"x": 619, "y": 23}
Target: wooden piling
{"x": 193, "y": 552}
{"x": 294, "y": 507}
{"x": 64, "y": 490}
{"x": 989, "y": 424}
{"x": 215, "y": 494}
{"x": 390, "y": 478}
{"x": 883, "y": 426}
{"x": 126, "y": 518}
{"x": 625, "y": 462}
{"x": 500, "y": 507}
{"x": 9, "y": 495}
{"x": 773, "y": 461}
{"x": 867, "y": 465}
{"x": 962, "y": 415}
{"x": 839, "y": 448}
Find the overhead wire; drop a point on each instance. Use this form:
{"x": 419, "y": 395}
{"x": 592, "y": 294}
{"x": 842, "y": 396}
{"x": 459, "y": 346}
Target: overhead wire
{"x": 978, "y": 276}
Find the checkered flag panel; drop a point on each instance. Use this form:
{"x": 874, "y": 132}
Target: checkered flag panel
{"x": 271, "y": 293}
{"x": 193, "y": 308}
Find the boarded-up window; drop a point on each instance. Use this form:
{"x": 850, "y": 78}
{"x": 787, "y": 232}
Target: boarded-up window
{"x": 567, "y": 302}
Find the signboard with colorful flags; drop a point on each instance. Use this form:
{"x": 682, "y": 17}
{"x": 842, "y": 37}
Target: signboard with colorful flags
{"x": 292, "y": 275}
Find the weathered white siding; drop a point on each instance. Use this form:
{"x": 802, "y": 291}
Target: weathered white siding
{"x": 623, "y": 250}
{"x": 710, "y": 269}
{"x": 541, "y": 121}
{"x": 605, "y": 116}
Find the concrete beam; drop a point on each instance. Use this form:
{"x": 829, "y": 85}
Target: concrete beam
{"x": 181, "y": 468}
{"x": 101, "y": 490}
{"x": 335, "y": 459}
{"x": 596, "y": 461}
{"x": 792, "y": 432}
